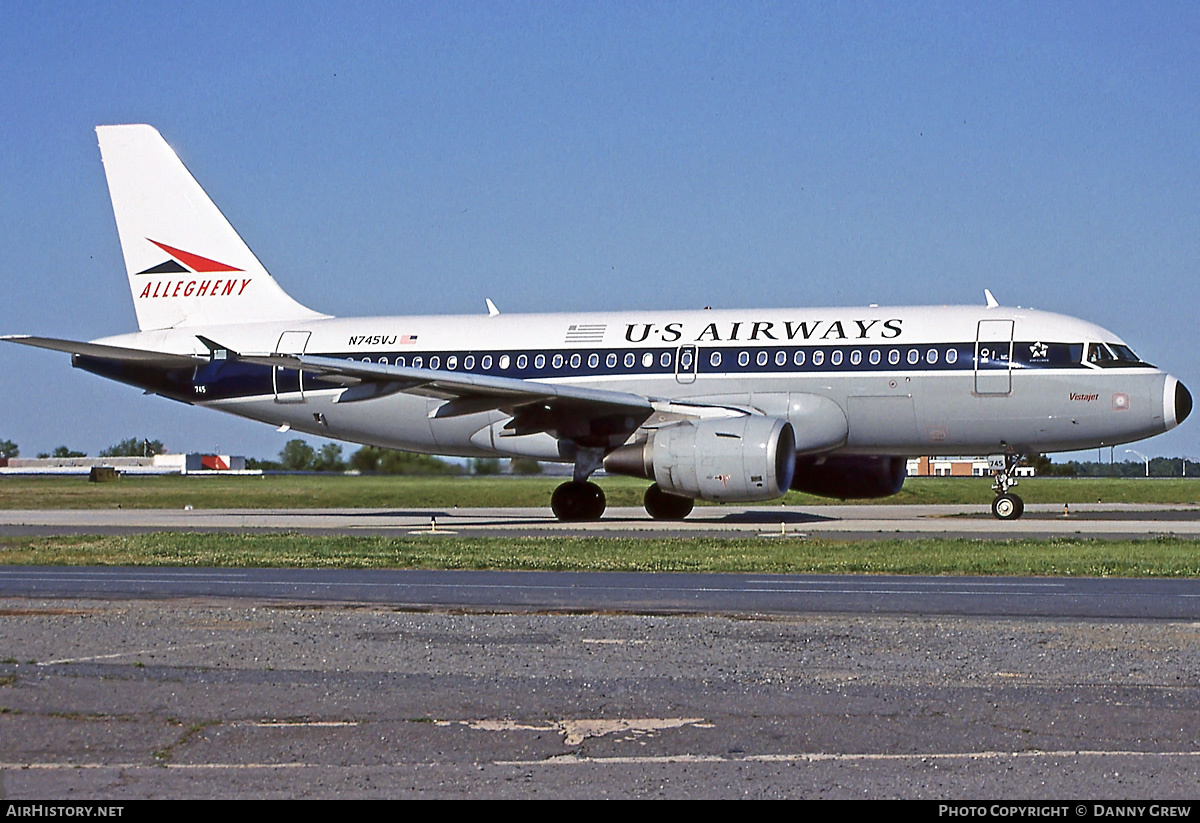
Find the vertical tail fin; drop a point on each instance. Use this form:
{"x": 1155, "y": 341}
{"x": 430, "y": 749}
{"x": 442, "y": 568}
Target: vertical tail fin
{"x": 187, "y": 266}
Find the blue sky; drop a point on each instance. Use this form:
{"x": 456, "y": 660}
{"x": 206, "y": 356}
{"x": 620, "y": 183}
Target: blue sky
{"x": 398, "y": 158}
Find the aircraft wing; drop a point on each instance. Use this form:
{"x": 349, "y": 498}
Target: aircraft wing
{"x": 587, "y": 416}
{"x": 150, "y": 358}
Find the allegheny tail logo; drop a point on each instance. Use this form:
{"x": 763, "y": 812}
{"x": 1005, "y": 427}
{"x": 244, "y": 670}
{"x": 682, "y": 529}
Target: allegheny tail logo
{"x": 193, "y": 262}
{"x": 187, "y": 263}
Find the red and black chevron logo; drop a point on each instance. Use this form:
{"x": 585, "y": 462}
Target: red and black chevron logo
{"x": 185, "y": 262}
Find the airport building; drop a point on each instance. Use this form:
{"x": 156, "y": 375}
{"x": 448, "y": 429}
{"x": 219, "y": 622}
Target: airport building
{"x": 957, "y": 467}
{"x": 158, "y": 464}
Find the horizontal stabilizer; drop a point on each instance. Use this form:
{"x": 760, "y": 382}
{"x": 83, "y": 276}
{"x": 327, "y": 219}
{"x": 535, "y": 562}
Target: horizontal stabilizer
{"x": 157, "y": 358}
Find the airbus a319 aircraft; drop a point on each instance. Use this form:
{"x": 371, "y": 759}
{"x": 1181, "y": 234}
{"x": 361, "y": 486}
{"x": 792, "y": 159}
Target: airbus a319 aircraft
{"x": 731, "y": 406}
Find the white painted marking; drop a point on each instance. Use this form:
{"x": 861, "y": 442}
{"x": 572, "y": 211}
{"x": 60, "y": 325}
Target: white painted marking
{"x": 816, "y": 757}
{"x": 276, "y": 724}
{"x": 157, "y": 650}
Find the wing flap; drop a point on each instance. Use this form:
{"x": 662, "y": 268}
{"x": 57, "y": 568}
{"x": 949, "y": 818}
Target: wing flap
{"x": 586, "y": 416}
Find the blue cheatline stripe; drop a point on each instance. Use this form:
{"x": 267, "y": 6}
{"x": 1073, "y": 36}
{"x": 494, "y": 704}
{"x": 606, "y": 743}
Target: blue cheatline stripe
{"x": 727, "y": 360}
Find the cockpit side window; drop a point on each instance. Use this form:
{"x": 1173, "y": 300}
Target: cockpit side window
{"x": 1113, "y": 355}
{"x": 1099, "y": 355}
{"x": 1124, "y": 353}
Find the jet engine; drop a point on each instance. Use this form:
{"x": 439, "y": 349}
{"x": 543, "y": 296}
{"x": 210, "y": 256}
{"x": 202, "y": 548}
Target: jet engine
{"x": 847, "y": 476}
{"x": 731, "y": 459}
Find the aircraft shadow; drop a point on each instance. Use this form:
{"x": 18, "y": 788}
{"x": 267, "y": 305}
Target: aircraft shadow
{"x": 447, "y": 517}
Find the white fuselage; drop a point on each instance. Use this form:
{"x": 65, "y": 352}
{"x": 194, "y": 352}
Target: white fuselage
{"x": 908, "y": 380}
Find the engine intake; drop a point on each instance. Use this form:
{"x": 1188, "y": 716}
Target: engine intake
{"x": 731, "y": 459}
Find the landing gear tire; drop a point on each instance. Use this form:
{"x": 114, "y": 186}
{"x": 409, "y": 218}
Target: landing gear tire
{"x": 578, "y": 501}
{"x": 662, "y": 505}
{"x": 1008, "y": 507}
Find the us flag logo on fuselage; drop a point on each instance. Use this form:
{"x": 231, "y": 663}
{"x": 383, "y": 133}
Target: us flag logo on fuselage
{"x": 586, "y": 332}
{"x": 185, "y": 262}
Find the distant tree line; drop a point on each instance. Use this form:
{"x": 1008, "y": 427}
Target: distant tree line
{"x": 1159, "y": 467}
{"x": 298, "y": 456}
{"x": 133, "y": 447}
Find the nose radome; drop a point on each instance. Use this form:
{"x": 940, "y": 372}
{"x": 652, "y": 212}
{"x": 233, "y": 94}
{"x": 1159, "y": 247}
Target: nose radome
{"x": 1183, "y": 402}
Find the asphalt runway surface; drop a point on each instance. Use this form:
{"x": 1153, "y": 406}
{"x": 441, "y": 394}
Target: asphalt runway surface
{"x": 132, "y": 683}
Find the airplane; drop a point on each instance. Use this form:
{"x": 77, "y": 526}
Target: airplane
{"x": 731, "y": 406}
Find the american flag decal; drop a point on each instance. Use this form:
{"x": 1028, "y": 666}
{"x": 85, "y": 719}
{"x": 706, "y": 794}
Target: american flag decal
{"x": 586, "y": 333}
{"x": 408, "y": 339}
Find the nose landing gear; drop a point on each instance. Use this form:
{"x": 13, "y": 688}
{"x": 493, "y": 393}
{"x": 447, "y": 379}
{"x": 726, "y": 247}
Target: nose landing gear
{"x": 1006, "y": 505}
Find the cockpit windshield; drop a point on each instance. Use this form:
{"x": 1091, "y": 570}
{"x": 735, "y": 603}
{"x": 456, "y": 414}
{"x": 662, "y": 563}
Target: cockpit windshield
{"x": 1113, "y": 356}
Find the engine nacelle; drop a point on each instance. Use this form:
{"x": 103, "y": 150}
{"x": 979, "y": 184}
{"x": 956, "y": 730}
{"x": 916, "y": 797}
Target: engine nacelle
{"x": 848, "y": 476}
{"x": 731, "y": 459}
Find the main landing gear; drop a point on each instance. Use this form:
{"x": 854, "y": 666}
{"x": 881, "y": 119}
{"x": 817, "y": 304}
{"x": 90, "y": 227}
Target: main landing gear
{"x": 663, "y": 505}
{"x": 1006, "y": 505}
{"x": 581, "y": 500}
{"x": 578, "y": 500}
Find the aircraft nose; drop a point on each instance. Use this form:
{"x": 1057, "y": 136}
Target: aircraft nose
{"x": 1183, "y": 402}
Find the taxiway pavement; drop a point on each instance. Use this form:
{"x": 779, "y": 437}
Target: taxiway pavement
{"x": 1098, "y": 520}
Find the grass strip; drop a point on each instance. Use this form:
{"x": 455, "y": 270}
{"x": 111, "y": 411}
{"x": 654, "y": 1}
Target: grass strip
{"x": 1154, "y": 557}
